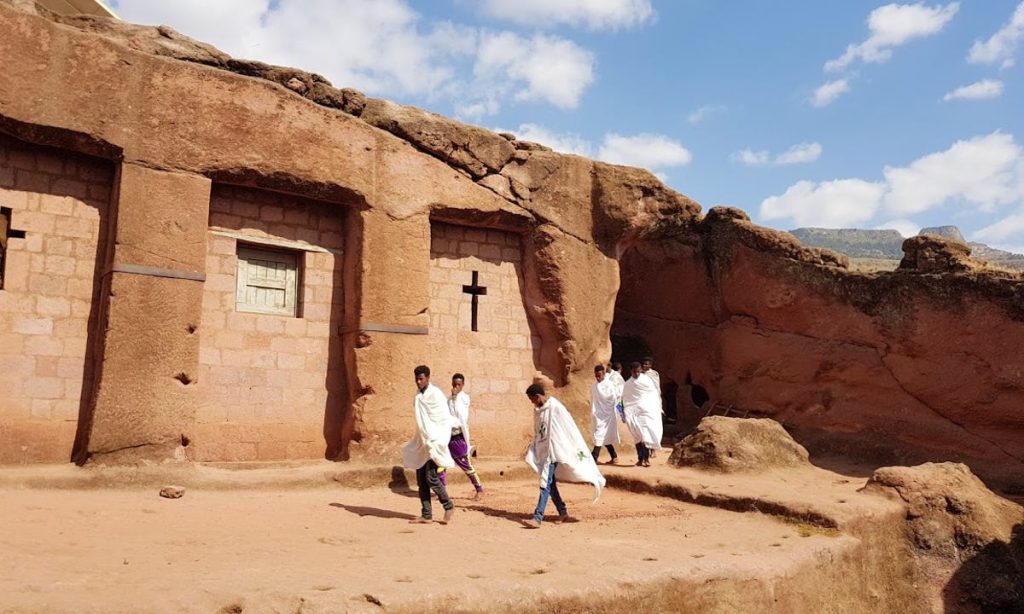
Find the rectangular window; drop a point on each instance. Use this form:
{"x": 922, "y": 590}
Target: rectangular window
{"x": 5, "y": 225}
{"x": 267, "y": 281}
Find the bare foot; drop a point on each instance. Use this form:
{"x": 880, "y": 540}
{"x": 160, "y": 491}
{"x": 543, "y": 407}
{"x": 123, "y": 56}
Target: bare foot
{"x": 478, "y": 495}
{"x": 420, "y": 521}
{"x": 448, "y": 515}
{"x": 532, "y": 523}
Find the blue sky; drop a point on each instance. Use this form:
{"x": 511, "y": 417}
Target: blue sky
{"x": 801, "y": 112}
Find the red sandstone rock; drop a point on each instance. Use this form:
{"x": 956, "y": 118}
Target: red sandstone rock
{"x": 738, "y": 444}
{"x": 925, "y": 366}
{"x": 172, "y": 492}
{"x": 962, "y": 531}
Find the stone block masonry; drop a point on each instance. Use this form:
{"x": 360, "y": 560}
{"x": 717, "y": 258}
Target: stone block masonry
{"x": 498, "y": 358}
{"x": 59, "y": 201}
{"x": 267, "y": 380}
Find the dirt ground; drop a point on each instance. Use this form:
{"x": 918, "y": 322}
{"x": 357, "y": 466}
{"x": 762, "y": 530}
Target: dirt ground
{"x": 337, "y": 549}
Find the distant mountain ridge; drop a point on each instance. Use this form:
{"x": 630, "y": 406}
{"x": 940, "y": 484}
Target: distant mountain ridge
{"x": 861, "y": 243}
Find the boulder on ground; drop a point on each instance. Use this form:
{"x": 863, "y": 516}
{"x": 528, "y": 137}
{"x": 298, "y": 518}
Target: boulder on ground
{"x": 738, "y": 444}
{"x": 969, "y": 540}
{"x": 950, "y": 511}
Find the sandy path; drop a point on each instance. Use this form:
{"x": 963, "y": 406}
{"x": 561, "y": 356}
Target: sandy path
{"x": 325, "y": 549}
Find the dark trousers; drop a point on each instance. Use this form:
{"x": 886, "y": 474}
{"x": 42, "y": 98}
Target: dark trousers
{"x": 643, "y": 453}
{"x": 427, "y": 480}
{"x": 597, "y": 452}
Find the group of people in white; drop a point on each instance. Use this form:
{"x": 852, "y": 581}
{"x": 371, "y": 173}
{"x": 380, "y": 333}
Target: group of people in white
{"x": 557, "y": 450}
{"x": 635, "y": 401}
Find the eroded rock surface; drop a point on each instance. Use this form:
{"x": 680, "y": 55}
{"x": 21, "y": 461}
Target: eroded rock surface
{"x": 963, "y": 531}
{"x": 928, "y": 253}
{"x": 891, "y": 368}
{"x": 738, "y": 444}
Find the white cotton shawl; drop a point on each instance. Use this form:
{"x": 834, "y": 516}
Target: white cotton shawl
{"x": 557, "y": 440}
{"x": 642, "y": 401}
{"x": 433, "y": 430}
{"x": 616, "y": 379}
{"x": 459, "y": 408}
{"x": 603, "y": 398}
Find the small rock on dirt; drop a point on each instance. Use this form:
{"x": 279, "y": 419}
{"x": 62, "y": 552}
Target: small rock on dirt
{"x": 172, "y": 492}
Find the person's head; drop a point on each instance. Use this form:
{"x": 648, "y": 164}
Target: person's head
{"x": 422, "y": 374}
{"x": 647, "y": 363}
{"x": 635, "y": 369}
{"x": 617, "y": 366}
{"x": 458, "y": 381}
{"x": 599, "y": 372}
{"x": 536, "y": 394}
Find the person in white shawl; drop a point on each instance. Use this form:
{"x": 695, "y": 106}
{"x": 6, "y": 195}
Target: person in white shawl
{"x": 614, "y": 373}
{"x": 557, "y": 452}
{"x": 604, "y": 396}
{"x": 428, "y": 449}
{"x": 459, "y": 446}
{"x": 642, "y": 401}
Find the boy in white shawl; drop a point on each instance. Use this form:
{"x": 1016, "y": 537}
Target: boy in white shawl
{"x": 642, "y": 401}
{"x": 557, "y": 450}
{"x": 428, "y": 448}
{"x": 459, "y": 445}
{"x": 604, "y": 396}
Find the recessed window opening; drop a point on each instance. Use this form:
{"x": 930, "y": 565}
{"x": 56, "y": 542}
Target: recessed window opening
{"x": 268, "y": 281}
{"x": 6, "y": 233}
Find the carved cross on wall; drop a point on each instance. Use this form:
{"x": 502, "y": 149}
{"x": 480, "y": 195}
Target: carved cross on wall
{"x": 477, "y": 291}
{"x": 6, "y": 232}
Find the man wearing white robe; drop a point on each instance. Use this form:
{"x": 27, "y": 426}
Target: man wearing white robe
{"x": 614, "y": 373}
{"x": 647, "y": 367}
{"x": 603, "y": 399}
{"x": 428, "y": 448}
{"x": 642, "y": 401}
{"x": 557, "y": 452}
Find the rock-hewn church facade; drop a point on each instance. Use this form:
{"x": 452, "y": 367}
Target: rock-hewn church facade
{"x": 215, "y": 259}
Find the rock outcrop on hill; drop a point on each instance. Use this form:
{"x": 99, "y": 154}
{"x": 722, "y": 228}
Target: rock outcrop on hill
{"x": 881, "y": 246}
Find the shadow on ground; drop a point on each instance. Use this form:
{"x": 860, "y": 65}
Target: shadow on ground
{"x": 361, "y": 510}
{"x": 992, "y": 580}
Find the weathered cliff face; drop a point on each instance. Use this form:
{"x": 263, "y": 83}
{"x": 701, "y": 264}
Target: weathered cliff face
{"x": 920, "y": 364}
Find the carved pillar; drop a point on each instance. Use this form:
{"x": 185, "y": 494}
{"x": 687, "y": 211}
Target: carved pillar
{"x": 144, "y": 400}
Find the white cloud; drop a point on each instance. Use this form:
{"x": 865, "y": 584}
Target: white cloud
{"x": 750, "y": 157}
{"x": 643, "y": 150}
{"x": 831, "y": 204}
{"x": 1008, "y": 228}
{"x": 801, "y": 153}
{"x": 388, "y": 49}
{"x": 980, "y": 90}
{"x": 829, "y": 92}
{"x": 907, "y": 228}
{"x": 544, "y": 68}
{"x": 985, "y": 171}
{"x": 979, "y": 174}
{"x": 1002, "y": 45}
{"x": 704, "y": 112}
{"x": 563, "y": 142}
{"x": 893, "y": 25}
{"x": 591, "y": 14}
